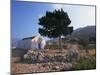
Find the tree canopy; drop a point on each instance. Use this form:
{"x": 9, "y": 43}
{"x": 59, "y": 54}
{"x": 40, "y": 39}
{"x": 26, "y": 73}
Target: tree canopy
{"x": 55, "y": 24}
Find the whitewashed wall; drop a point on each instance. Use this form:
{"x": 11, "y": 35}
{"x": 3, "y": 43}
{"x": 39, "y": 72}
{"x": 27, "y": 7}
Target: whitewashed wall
{"x": 31, "y": 44}
{"x": 24, "y": 44}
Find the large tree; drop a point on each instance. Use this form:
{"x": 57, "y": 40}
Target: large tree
{"x": 55, "y": 24}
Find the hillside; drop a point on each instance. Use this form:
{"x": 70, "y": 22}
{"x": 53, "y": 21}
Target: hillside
{"x": 86, "y": 33}
{"x": 89, "y": 31}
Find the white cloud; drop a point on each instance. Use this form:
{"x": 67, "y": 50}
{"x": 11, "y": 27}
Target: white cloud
{"x": 40, "y": 15}
{"x": 58, "y": 6}
{"x": 80, "y": 16}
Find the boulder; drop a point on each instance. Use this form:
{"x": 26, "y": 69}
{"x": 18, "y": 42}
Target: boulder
{"x": 44, "y": 56}
{"x": 73, "y": 55}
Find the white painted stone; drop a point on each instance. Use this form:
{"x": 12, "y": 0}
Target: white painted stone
{"x": 32, "y": 43}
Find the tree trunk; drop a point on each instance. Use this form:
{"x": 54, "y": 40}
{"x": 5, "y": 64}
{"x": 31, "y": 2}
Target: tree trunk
{"x": 60, "y": 44}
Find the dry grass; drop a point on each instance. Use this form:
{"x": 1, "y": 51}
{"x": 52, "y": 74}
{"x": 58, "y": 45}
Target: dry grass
{"x": 15, "y": 59}
{"x": 92, "y": 52}
{"x": 18, "y": 68}
{"x": 46, "y": 67}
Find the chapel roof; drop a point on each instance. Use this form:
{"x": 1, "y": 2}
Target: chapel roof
{"x": 29, "y": 38}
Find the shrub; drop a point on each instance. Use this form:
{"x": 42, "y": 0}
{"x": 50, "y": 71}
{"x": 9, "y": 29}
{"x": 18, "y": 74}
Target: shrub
{"x": 85, "y": 63}
{"x": 73, "y": 55}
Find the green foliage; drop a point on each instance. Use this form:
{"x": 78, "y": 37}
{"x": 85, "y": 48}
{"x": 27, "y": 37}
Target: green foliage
{"x": 83, "y": 42}
{"x": 85, "y": 63}
{"x": 92, "y": 40}
{"x": 55, "y": 24}
{"x": 91, "y": 46}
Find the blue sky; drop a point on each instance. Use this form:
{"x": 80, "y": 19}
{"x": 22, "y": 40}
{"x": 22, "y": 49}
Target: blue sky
{"x": 25, "y": 15}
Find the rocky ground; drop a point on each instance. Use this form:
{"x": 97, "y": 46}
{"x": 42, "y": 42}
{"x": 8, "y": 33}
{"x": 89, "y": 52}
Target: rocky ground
{"x": 46, "y": 61}
{"x": 41, "y": 61}
{"x": 40, "y": 67}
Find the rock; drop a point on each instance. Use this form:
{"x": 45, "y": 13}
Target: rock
{"x": 59, "y": 58}
{"x": 30, "y": 51}
{"x": 59, "y": 66}
{"x": 49, "y": 56}
{"x": 40, "y": 57}
{"x": 26, "y": 56}
{"x": 67, "y": 67}
{"x": 73, "y": 55}
{"x": 47, "y": 59}
{"x": 34, "y": 59}
{"x": 40, "y": 67}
